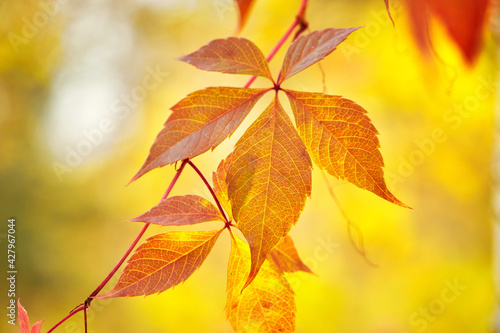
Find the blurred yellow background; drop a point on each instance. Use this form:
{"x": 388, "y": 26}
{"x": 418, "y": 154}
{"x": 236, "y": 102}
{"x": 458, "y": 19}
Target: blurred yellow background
{"x": 77, "y": 121}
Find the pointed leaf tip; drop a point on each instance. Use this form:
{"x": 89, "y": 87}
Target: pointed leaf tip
{"x": 311, "y": 48}
{"x": 24, "y": 321}
{"x": 286, "y": 258}
{"x": 341, "y": 139}
{"x": 266, "y": 305}
{"x": 244, "y": 8}
{"x": 200, "y": 122}
{"x": 164, "y": 261}
{"x": 233, "y": 55}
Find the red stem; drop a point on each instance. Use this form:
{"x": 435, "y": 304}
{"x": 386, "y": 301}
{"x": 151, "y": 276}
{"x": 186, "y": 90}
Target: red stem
{"x": 125, "y": 256}
{"x": 299, "y": 20}
{"x": 71, "y": 314}
{"x": 210, "y": 189}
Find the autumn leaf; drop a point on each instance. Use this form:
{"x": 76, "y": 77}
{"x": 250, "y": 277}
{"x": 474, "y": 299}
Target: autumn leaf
{"x": 244, "y": 7}
{"x": 231, "y": 55}
{"x": 269, "y": 178}
{"x": 311, "y": 48}
{"x": 200, "y": 122}
{"x": 181, "y": 210}
{"x": 464, "y": 20}
{"x": 24, "y": 321}
{"x": 164, "y": 261}
{"x": 220, "y": 186}
{"x": 267, "y": 305}
{"x": 341, "y": 139}
{"x": 285, "y": 256}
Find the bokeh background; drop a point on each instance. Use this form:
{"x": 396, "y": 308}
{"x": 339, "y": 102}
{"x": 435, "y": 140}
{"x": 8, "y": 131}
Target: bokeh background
{"x": 76, "y": 123}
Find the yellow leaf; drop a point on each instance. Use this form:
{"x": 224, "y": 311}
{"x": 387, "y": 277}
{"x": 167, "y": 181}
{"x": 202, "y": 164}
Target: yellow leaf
{"x": 269, "y": 178}
{"x": 341, "y": 139}
{"x": 286, "y": 258}
{"x": 267, "y": 305}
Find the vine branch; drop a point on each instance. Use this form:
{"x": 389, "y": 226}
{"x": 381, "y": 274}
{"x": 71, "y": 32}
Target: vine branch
{"x": 298, "y": 22}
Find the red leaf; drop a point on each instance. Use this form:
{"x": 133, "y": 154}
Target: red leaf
{"x": 244, "y": 7}
{"x": 267, "y": 305}
{"x": 286, "y": 258}
{"x": 231, "y": 55}
{"x": 269, "y": 178}
{"x": 24, "y": 321}
{"x": 181, "y": 210}
{"x": 464, "y": 20}
{"x": 311, "y": 48}
{"x": 200, "y": 122}
{"x": 341, "y": 139}
{"x": 164, "y": 261}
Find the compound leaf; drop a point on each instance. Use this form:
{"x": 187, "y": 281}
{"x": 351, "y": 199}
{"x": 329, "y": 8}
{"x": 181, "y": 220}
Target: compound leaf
{"x": 341, "y": 139}
{"x": 181, "y": 210}
{"x": 164, "y": 261}
{"x": 311, "y": 48}
{"x": 267, "y": 305}
{"x": 233, "y": 55}
{"x": 269, "y": 178}
{"x": 200, "y": 122}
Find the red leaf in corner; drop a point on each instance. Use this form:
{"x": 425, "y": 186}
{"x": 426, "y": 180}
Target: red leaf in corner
{"x": 24, "y": 321}
{"x": 244, "y": 7}
{"x": 464, "y": 20}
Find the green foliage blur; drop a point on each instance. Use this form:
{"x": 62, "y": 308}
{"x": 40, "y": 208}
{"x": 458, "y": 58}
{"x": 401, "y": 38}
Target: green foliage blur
{"x": 86, "y": 86}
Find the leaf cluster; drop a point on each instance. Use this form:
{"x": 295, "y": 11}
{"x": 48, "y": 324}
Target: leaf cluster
{"x": 261, "y": 187}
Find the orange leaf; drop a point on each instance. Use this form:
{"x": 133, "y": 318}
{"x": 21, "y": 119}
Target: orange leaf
{"x": 231, "y": 55}
{"x": 181, "y": 210}
{"x": 244, "y": 7}
{"x": 200, "y": 122}
{"x": 267, "y": 305}
{"x": 268, "y": 180}
{"x": 164, "y": 261}
{"x": 220, "y": 186}
{"x": 464, "y": 20}
{"x": 286, "y": 258}
{"x": 341, "y": 139}
{"x": 24, "y": 321}
{"x": 311, "y": 48}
